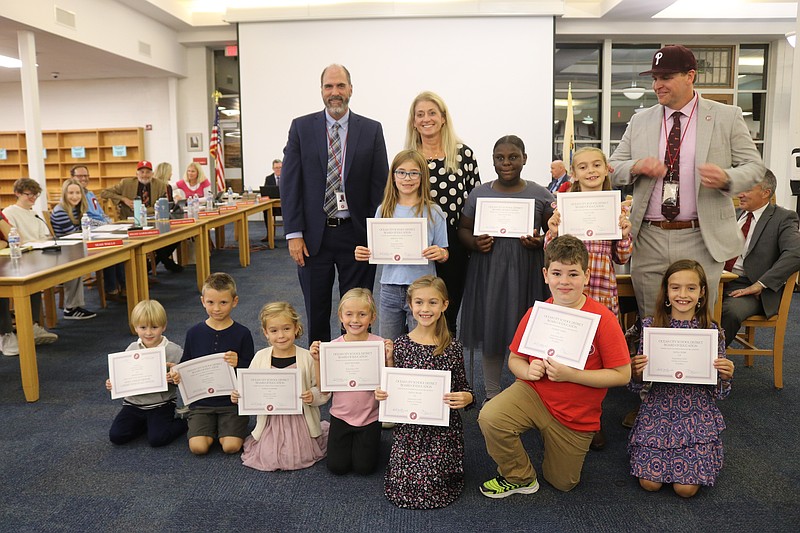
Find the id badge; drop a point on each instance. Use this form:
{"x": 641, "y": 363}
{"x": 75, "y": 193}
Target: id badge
{"x": 670, "y": 194}
{"x": 341, "y": 201}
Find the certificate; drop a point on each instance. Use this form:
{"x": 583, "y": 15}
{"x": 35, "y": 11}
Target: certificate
{"x": 137, "y": 372}
{"x": 681, "y": 355}
{"x": 205, "y": 377}
{"x": 397, "y": 241}
{"x": 561, "y": 333}
{"x": 415, "y": 396}
{"x": 504, "y": 217}
{"x": 349, "y": 366}
{"x": 590, "y": 216}
{"x": 270, "y": 391}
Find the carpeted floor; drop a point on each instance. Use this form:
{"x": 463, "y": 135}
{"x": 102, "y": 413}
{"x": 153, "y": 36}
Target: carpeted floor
{"x": 60, "y": 473}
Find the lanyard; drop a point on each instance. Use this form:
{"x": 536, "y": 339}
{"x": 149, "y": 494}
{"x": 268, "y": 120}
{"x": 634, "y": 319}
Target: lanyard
{"x": 670, "y": 158}
{"x": 339, "y": 164}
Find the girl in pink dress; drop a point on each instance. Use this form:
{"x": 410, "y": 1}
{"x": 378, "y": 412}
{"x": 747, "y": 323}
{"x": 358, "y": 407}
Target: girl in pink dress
{"x": 287, "y": 442}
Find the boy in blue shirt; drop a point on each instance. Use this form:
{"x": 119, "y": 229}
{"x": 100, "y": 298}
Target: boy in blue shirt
{"x": 216, "y": 417}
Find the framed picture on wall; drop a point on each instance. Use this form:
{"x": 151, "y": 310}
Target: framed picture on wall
{"x": 194, "y": 142}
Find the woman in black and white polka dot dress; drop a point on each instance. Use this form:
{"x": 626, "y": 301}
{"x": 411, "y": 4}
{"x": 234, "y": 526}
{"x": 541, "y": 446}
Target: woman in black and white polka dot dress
{"x": 453, "y": 174}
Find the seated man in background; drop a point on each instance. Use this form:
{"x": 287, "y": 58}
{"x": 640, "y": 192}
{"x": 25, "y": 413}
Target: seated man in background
{"x": 771, "y": 253}
{"x": 560, "y": 181}
{"x": 273, "y": 180}
{"x": 149, "y": 190}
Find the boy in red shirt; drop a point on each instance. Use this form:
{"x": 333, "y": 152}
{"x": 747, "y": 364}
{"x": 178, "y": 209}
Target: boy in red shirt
{"x": 563, "y": 403}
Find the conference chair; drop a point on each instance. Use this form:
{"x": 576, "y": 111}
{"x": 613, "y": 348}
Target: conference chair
{"x": 747, "y": 337}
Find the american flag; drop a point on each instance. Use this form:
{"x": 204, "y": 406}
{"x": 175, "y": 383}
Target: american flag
{"x": 216, "y": 153}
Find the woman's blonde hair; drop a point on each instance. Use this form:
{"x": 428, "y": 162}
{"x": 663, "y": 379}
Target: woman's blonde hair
{"x": 391, "y": 195}
{"x": 65, "y": 205}
{"x": 280, "y": 309}
{"x": 361, "y": 294}
{"x": 576, "y": 186}
{"x": 163, "y": 172}
{"x": 149, "y": 313}
{"x": 450, "y": 140}
{"x": 441, "y": 331}
{"x": 201, "y": 176}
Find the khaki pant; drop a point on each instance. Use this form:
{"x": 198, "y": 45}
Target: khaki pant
{"x": 516, "y": 410}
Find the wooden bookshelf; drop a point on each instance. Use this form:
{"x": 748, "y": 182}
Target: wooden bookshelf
{"x": 98, "y": 146}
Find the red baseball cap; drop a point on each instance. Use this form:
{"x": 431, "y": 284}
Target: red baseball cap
{"x": 145, "y": 164}
{"x": 671, "y": 60}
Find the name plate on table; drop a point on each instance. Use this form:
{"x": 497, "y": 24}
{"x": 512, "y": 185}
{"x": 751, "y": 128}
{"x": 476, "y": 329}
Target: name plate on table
{"x": 504, "y": 217}
{"x": 206, "y": 214}
{"x": 205, "y": 377}
{"x": 109, "y": 243}
{"x": 415, "y": 396}
{"x": 181, "y": 221}
{"x": 227, "y": 208}
{"x": 590, "y": 216}
{"x": 143, "y": 232}
{"x": 245, "y": 203}
{"x": 681, "y": 355}
{"x": 137, "y": 372}
{"x": 561, "y": 333}
{"x": 270, "y": 391}
{"x": 397, "y": 241}
{"x": 351, "y": 366}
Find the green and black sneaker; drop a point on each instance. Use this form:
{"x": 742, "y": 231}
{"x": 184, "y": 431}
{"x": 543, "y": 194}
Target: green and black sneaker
{"x": 498, "y": 487}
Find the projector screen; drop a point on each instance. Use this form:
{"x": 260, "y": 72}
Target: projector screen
{"x": 494, "y": 73}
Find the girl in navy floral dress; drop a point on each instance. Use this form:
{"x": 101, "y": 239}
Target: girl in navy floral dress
{"x": 426, "y": 464}
{"x": 676, "y": 437}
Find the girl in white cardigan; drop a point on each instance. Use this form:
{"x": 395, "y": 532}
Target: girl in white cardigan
{"x": 287, "y": 442}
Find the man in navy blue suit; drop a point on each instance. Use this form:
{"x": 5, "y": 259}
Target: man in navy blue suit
{"x": 334, "y": 173}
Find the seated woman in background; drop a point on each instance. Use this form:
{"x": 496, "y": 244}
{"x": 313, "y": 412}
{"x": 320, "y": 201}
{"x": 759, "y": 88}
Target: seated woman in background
{"x": 113, "y": 276}
{"x": 194, "y": 182}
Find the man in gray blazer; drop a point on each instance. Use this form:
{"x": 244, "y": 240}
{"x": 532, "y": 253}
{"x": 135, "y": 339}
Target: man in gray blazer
{"x": 772, "y": 252}
{"x": 683, "y": 177}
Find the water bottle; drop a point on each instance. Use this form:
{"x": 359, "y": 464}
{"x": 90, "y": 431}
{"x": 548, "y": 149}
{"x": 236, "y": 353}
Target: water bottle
{"x": 14, "y": 243}
{"x": 86, "y": 227}
{"x": 230, "y": 196}
{"x": 137, "y": 212}
{"x": 143, "y": 215}
{"x": 209, "y": 199}
{"x": 162, "y": 209}
{"x": 194, "y": 207}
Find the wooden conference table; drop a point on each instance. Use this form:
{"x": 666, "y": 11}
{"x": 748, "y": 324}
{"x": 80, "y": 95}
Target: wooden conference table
{"x": 36, "y": 271}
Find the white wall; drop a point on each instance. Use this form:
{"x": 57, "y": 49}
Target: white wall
{"x": 494, "y": 73}
{"x": 111, "y": 103}
{"x": 194, "y": 104}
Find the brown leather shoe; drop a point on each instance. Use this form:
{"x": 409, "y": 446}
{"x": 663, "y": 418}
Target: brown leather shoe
{"x": 630, "y": 418}
{"x": 598, "y": 441}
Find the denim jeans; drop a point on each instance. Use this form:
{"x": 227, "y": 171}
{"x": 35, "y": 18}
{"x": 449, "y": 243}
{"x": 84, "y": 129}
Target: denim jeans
{"x": 394, "y": 313}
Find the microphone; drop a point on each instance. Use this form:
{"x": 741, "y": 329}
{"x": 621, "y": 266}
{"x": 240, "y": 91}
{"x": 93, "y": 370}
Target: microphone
{"x": 55, "y": 247}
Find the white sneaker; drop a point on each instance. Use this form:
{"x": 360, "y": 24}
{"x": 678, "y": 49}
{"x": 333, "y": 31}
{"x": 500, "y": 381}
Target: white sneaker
{"x": 9, "y": 345}
{"x": 42, "y": 336}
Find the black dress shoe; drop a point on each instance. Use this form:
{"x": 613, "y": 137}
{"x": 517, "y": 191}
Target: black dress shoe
{"x": 171, "y": 265}
{"x": 598, "y": 441}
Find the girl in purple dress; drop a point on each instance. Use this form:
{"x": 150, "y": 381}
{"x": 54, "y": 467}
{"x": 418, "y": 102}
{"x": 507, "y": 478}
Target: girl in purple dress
{"x": 426, "y": 464}
{"x": 676, "y": 437}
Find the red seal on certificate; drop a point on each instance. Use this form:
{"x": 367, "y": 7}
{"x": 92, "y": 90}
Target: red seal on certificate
{"x": 136, "y": 355}
{"x": 397, "y": 257}
{"x": 211, "y": 390}
{"x": 678, "y": 375}
{"x": 270, "y": 407}
{"x": 589, "y": 233}
{"x": 412, "y": 415}
{"x": 551, "y": 352}
{"x": 352, "y": 383}
{"x": 503, "y": 230}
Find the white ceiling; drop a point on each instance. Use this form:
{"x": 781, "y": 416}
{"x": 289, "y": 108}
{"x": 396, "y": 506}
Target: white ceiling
{"x": 73, "y": 60}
